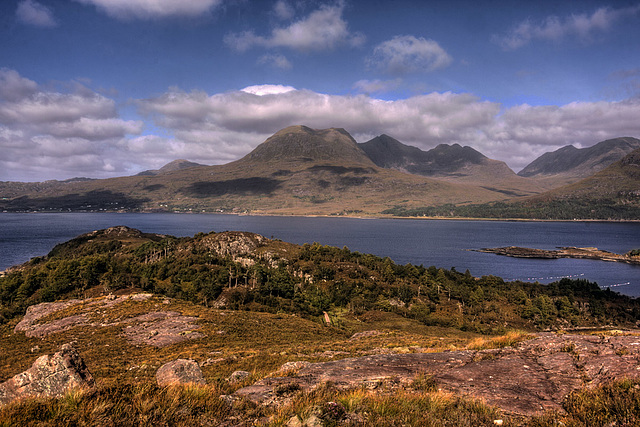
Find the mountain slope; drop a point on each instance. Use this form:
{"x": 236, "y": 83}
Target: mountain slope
{"x": 619, "y": 183}
{"x": 171, "y": 167}
{"x": 296, "y": 171}
{"x": 569, "y": 164}
{"x": 452, "y": 163}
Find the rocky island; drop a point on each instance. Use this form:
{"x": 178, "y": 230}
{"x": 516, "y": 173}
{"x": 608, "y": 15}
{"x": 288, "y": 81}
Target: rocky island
{"x": 631, "y": 257}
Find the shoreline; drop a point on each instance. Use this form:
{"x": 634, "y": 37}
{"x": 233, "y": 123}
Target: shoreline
{"x": 421, "y": 218}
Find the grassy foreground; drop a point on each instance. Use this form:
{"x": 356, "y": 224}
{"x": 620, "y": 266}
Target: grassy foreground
{"x": 420, "y": 404}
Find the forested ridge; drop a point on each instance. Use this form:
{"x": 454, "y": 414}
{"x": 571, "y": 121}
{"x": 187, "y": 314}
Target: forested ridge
{"x": 244, "y": 271}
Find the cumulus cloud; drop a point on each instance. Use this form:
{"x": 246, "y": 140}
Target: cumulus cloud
{"x": 243, "y": 119}
{"x": 283, "y": 10}
{"x": 553, "y": 28}
{"x": 33, "y": 13}
{"x": 408, "y": 54}
{"x": 267, "y": 89}
{"x": 236, "y": 122}
{"x": 276, "y": 61}
{"x": 324, "y": 29}
{"x": 376, "y": 86}
{"x": 152, "y": 9}
{"x": 47, "y": 134}
{"x": 66, "y": 134}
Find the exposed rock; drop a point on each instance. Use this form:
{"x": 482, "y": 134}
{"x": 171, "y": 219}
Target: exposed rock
{"x": 49, "y": 376}
{"x": 180, "y": 371}
{"x": 527, "y": 379}
{"x": 29, "y": 324}
{"x": 289, "y": 368}
{"x": 562, "y": 252}
{"x": 238, "y": 376}
{"x": 161, "y": 328}
{"x": 233, "y": 243}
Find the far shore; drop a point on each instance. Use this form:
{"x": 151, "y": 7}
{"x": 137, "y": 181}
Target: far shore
{"x": 372, "y": 216}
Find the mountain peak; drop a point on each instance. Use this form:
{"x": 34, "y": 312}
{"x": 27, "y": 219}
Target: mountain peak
{"x": 307, "y": 144}
{"x": 580, "y": 162}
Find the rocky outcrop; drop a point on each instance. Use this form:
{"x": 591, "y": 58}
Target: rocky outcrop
{"x": 527, "y": 379}
{"x": 157, "y": 328}
{"x": 49, "y": 376}
{"x": 233, "y": 243}
{"x": 180, "y": 371}
{"x": 29, "y": 324}
{"x": 562, "y": 252}
{"x": 161, "y": 328}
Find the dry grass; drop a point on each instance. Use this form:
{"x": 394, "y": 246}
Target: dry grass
{"x": 507, "y": 340}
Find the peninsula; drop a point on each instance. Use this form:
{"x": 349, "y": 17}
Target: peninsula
{"x": 631, "y": 257}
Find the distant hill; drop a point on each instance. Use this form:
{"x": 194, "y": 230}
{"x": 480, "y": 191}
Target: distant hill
{"x": 570, "y": 164}
{"x": 453, "y": 163}
{"x": 173, "y": 166}
{"x": 298, "y": 170}
{"x": 618, "y": 183}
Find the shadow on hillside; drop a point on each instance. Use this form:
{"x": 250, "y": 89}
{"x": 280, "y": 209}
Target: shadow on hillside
{"x": 91, "y": 201}
{"x": 239, "y": 187}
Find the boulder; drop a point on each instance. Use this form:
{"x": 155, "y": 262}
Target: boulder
{"x": 180, "y": 371}
{"x": 49, "y": 376}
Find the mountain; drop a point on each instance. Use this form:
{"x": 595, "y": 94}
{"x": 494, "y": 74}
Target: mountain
{"x": 453, "y": 163}
{"x": 298, "y": 170}
{"x": 444, "y": 160}
{"x": 171, "y": 167}
{"x": 303, "y": 144}
{"x": 569, "y": 164}
{"x": 619, "y": 183}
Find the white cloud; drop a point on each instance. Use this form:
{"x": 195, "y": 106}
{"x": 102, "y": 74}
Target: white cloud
{"x": 275, "y": 61}
{"x": 248, "y": 117}
{"x": 13, "y": 86}
{"x": 46, "y": 134}
{"x": 283, "y": 10}
{"x": 236, "y": 122}
{"x": 33, "y": 13}
{"x": 267, "y": 89}
{"x": 553, "y": 28}
{"x": 324, "y": 29}
{"x": 152, "y": 9}
{"x": 376, "y": 86}
{"x": 408, "y": 54}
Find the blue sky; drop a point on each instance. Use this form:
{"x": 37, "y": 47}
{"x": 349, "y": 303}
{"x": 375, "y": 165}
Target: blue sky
{"x": 102, "y": 88}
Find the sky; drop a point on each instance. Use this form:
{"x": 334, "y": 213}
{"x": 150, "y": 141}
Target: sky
{"x": 105, "y": 88}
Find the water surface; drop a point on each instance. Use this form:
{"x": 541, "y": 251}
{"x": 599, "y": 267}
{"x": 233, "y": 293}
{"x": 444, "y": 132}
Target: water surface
{"x": 443, "y": 243}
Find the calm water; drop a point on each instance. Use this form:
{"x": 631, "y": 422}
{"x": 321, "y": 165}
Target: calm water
{"x": 440, "y": 243}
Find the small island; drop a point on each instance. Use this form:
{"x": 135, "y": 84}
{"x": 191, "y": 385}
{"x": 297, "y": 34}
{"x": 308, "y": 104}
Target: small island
{"x": 631, "y": 257}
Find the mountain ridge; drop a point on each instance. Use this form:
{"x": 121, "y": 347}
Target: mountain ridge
{"x": 296, "y": 171}
{"x": 570, "y": 164}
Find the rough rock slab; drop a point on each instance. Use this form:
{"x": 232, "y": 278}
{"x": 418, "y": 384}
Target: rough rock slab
{"x": 527, "y": 379}
{"x": 49, "y": 376}
{"x": 158, "y": 328}
{"x": 180, "y": 371}
{"x": 29, "y": 323}
{"x": 161, "y": 328}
